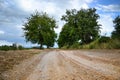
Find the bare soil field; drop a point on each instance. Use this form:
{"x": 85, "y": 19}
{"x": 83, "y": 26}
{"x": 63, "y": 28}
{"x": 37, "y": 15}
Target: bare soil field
{"x": 67, "y": 65}
{"x": 9, "y": 59}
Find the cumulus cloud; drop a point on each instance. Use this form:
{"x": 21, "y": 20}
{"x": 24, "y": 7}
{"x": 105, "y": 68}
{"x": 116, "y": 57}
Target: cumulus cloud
{"x": 52, "y": 7}
{"x": 106, "y": 20}
{"x": 109, "y": 8}
{"x": 4, "y": 42}
{"x": 78, "y": 4}
{"x": 1, "y": 32}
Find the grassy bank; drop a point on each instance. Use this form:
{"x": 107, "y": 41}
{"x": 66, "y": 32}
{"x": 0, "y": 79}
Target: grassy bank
{"x": 97, "y": 44}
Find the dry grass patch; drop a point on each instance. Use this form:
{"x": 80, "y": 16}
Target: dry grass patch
{"x": 10, "y": 58}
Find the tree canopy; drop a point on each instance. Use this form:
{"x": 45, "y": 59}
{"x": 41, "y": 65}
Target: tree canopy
{"x": 116, "y": 32}
{"x": 39, "y": 29}
{"x": 81, "y": 26}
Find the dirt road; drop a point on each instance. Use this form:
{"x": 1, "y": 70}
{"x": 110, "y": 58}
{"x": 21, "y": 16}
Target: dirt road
{"x": 68, "y": 65}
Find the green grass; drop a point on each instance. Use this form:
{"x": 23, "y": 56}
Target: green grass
{"x": 97, "y": 44}
{"x": 110, "y": 44}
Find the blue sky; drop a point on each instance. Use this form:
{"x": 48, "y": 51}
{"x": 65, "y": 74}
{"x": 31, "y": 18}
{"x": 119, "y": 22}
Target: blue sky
{"x": 13, "y": 14}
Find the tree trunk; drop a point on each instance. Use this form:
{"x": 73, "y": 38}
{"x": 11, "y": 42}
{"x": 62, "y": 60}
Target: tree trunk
{"x": 48, "y": 47}
{"x": 41, "y": 46}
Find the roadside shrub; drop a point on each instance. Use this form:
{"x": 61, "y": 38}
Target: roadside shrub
{"x": 6, "y": 48}
{"x": 65, "y": 47}
{"x": 104, "y": 39}
{"x": 75, "y": 46}
{"x": 20, "y": 47}
{"x": 103, "y": 44}
{"x": 114, "y": 43}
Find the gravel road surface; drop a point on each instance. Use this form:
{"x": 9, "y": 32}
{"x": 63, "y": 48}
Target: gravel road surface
{"x": 68, "y": 65}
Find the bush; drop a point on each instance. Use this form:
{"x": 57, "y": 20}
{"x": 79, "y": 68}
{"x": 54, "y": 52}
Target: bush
{"x": 65, "y": 47}
{"x": 103, "y": 44}
{"x": 115, "y": 43}
{"x": 104, "y": 39}
{"x": 20, "y": 48}
{"x": 5, "y": 47}
{"x": 100, "y": 43}
{"x": 75, "y": 45}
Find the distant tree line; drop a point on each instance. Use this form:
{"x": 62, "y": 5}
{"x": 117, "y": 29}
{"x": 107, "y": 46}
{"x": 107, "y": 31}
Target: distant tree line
{"x": 12, "y": 47}
{"x": 81, "y": 28}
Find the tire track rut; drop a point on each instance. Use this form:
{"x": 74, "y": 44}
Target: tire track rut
{"x": 64, "y": 65}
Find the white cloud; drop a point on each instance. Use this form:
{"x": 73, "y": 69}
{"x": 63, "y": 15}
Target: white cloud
{"x": 20, "y": 31}
{"x": 111, "y": 8}
{"x": 4, "y": 42}
{"x": 32, "y": 5}
{"x": 77, "y": 4}
{"x": 2, "y": 32}
{"x": 59, "y": 28}
{"x": 51, "y": 7}
{"x": 88, "y": 1}
{"x": 26, "y": 5}
{"x": 106, "y": 21}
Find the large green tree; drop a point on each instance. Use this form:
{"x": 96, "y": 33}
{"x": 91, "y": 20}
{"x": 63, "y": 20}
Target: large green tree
{"x": 80, "y": 26}
{"x": 39, "y": 29}
{"x": 116, "y": 32}
{"x": 67, "y": 36}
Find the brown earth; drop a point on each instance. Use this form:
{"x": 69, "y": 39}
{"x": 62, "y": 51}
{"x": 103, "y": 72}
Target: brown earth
{"x": 68, "y": 65}
{"x": 9, "y": 59}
